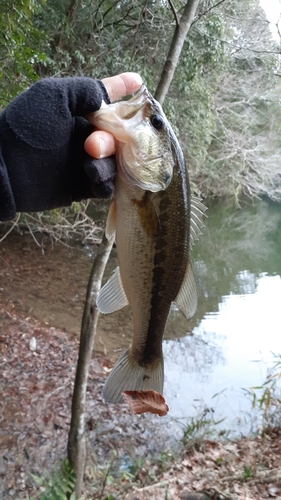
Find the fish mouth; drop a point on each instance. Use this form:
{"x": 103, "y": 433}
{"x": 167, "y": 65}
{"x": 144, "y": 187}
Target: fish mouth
{"x": 141, "y": 94}
{"x": 110, "y": 117}
{"x": 114, "y": 117}
{"x": 144, "y": 98}
{"x": 134, "y": 104}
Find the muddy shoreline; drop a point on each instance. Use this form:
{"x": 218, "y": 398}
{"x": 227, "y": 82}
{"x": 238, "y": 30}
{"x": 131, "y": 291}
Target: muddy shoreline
{"x": 49, "y": 284}
{"x": 36, "y": 389}
{"x": 144, "y": 457}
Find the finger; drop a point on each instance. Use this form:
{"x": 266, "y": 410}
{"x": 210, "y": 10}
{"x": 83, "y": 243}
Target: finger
{"x": 100, "y": 144}
{"x": 121, "y": 85}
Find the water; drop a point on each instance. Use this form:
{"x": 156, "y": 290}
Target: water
{"x": 237, "y": 327}
{"x": 227, "y": 346}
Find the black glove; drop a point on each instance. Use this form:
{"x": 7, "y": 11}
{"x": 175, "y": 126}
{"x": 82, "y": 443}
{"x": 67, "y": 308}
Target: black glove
{"x": 43, "y": 164}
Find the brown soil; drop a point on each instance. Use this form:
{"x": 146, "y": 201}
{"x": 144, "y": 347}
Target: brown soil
{"x": 35, "y": 400}
{"x": 35, "y": 394}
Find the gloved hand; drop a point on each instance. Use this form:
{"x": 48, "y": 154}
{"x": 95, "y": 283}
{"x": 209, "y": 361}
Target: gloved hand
{"x": 43, "y": 163}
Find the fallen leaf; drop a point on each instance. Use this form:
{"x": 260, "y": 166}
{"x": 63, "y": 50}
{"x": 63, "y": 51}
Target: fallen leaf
{"x": 146, "y": 401}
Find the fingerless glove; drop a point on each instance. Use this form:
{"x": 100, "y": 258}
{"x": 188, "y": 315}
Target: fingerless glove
{"x": 43, "y": 164}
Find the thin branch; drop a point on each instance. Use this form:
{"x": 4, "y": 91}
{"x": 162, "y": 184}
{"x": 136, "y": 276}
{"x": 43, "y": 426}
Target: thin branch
{"x": 115, "y": 23}
{"x": 174, "y": 12}
{"x": 110, "y": 8}
{"x": 236, "y": 46}
{"x": 76, "y": 440}
{"x": 207, "y": 12}
{"x": 173, "y": 56}
{"x": 11, "y": 228}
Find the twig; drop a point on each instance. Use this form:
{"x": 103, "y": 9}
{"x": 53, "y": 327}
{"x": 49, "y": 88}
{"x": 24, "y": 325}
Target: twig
{"x": 76, "y": 440}
{"x": 11, "y": 228}
{"x": 155, "y": 485}
{"x": 207, "y": 11}
{"x": 227, "y": 496}
{"x": 207, "y": 494}
{"x": 58, "y": 389}
{"x": 174, "y": 12}
{"x": 104, "y": 481}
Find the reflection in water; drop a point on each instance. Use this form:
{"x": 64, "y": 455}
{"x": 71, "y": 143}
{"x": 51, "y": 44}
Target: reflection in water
{"x": 247, "y": 329}
{"x": 237, "y": 264}
{"x": 245, "y": 282}
{"x": 197, "y": 353}
{"x": 236, "y": 248}
{"x": 248, "y": 238}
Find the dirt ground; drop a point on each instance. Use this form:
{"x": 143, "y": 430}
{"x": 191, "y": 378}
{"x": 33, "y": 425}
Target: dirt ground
{"x": 129, "y": 457}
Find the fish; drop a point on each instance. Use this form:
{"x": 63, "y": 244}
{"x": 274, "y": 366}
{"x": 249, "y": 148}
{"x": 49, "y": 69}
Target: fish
{"x": 155, "y": 221}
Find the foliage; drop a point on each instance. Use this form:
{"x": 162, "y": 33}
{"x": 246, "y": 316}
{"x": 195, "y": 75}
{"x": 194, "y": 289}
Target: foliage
{"x": 189, "y": 104}
{"x": 57, "y": 486}
{"x": 20, "y": 47}
{"x": 244, "y": 153}
{"x": 267, "y": 397}
{"x": 224, "y": 101}
{"x": 201, "y": 427}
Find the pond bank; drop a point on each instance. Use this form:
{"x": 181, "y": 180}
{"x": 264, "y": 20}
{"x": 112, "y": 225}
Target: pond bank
{"x": 42, "y": 296}
{"x": 36, "y": 387}
{"x": 228, "y": 344}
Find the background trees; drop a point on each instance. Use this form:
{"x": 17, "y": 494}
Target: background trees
{"x": 224, "y": 98}
{"x": 244, "y": 151}
{"x": 20, "y": 44}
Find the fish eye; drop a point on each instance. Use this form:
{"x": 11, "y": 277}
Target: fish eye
{"x": 156, "y": 121}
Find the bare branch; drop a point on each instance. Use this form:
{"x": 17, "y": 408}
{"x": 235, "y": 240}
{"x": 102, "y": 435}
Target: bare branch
{"x": 11, "y": 228}
{"x": 175, "y": 50}
{"x": 207, "y": 12}
{"x": 76, "y": 439}
{"x": 174, "y": 12}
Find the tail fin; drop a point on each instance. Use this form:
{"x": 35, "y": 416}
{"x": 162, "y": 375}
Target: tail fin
{"x": 127, "y": 375}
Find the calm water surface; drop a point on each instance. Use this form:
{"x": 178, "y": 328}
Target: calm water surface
{"x": 227, "y": 346}
{"x": 237, "y": 328}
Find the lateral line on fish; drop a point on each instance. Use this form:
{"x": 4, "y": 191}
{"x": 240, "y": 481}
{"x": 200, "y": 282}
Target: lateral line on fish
{"x": 157, "y": 221}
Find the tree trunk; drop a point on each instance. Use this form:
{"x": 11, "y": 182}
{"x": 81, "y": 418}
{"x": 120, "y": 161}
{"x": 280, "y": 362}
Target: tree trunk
{"x": 179, "y": 37}
{"x": 76, "y": 439}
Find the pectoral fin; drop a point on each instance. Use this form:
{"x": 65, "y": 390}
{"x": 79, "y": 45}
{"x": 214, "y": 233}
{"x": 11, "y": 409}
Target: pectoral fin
{"x": 112, "y": 296}
{"x": 186, "y": 299}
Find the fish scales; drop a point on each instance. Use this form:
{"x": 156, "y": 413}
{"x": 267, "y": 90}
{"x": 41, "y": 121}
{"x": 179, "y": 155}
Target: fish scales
{"x": 170, "y": 262}
{"x": 151, "y": 215}
{"x": 158, "y": 263}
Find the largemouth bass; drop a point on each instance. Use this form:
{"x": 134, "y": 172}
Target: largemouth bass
{"x": 156, "y": 221}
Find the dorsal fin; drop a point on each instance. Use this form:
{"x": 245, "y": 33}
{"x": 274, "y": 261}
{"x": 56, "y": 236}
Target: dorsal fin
{"x": 197, "y": 212}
